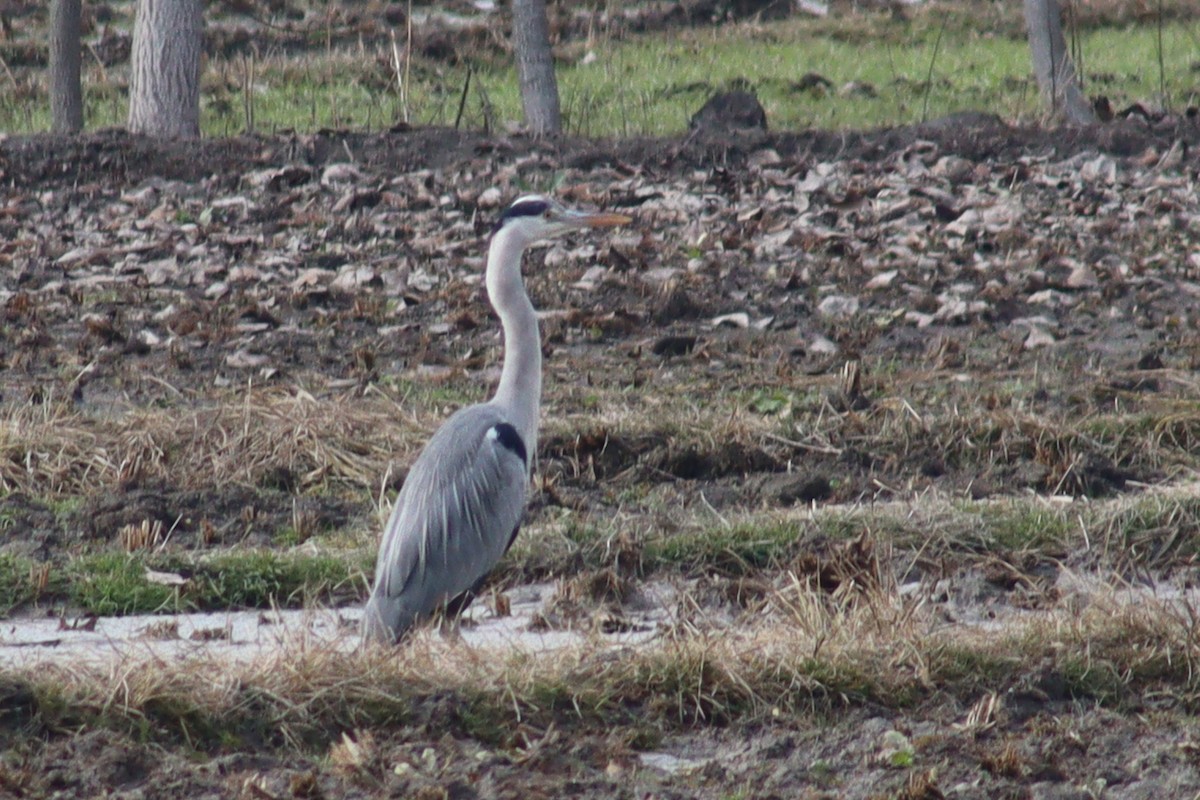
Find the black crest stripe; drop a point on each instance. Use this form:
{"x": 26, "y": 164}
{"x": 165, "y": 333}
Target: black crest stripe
{"x": 522, "y": 208}
{"x": 508, "y": 438}
{"x": 526, "y": 208}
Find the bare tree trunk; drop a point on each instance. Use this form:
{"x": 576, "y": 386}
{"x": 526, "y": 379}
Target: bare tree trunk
{"x": 164, "y": 83}
{"x": 535, "y": 66}
{"x": 66, "y": 92}
{"x": 1052, "y": 62}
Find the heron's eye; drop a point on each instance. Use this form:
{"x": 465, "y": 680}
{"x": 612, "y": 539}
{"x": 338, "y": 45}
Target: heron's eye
{"x": 547, "y": 214}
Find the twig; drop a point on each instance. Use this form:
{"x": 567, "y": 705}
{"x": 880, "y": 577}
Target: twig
{"x": 99, "y": 63}
{"x": 167, "y": 538}
{"x": 401, "y": 84}
{"x": 8, "y": 71}
{"x": 812, "y": 448}
{"x": 728, "y": 526}
{"x": 407, "y": 59}
{"x": 1162, "y": 69}
{"x": 1076, "y": 44}
{"x": 163, "y": 383}
{"x": 937, "y": 45}
{"x": 462, "y": 100}
{"x": 248, "y": 91}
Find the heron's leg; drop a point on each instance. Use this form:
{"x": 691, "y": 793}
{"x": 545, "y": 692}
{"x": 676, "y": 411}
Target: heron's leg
{"x": 512, "y": 539}
{"x": 456, "y": 606}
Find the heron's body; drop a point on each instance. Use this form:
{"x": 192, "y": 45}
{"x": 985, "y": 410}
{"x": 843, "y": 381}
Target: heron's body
{"x": 462, "y": 502}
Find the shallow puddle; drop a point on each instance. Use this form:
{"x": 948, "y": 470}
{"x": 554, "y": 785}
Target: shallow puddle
{"x": 242, "y": 636}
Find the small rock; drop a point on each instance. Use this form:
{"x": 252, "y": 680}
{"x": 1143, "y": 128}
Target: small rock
{"x": 659, "y": 274}
{"x": 839, "y": 306}
{"x": 813, "y": 83}
{"x": 822, "y": 346}
{"x": 857, "y": 89}
{"x": 352, "y": 277}
{"x": 1057, "y": 791}
{"x": 356, "y": 199}
{"x": 490, "y": 198}
{"x": 738, "y": 319}
{"x": 918, "y": 318}
{"x": 592, "y": 278}
{"x": 243, "y": 359}
{"x": 730, "y": 112}
{"x": 1050, "y": 298}
{"x": 340, "y": 173}
{"x": 1082, "y": 277}
{"x": 806, "y": 489}
{"x": 955, "y": 308}
{"x": 764, "y": 158}
{"x": 883, "y": 280}
{"x": 1038, "y": 338}
{"x": 953, "y": 168}
{"x": 1101, "y": 169}
{"x": 1152, "y": 359}
{"x": 673, "y": 346}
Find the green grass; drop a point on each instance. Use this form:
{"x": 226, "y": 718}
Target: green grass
{"x": 115, "y": 583}
{"x": 1155, "y": 530}
{"x": 1019, "y": 527}
{"x": 652, "y": 84}
{"x": 1152, "y": 531}
{"x": 740, "y": 550}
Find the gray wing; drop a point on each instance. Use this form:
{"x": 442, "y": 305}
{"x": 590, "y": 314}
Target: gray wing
{"x": 453, "y": 520}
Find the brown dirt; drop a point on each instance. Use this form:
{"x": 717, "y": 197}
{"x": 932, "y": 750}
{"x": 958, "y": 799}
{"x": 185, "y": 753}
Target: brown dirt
{"x": 120, "y": 291}
{"x": 1049, "y": 748}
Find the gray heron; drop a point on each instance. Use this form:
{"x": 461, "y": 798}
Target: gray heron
{"x": 461, "y": 505}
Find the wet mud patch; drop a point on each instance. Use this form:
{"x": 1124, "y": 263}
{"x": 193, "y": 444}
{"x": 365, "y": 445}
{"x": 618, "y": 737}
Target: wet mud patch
{"x": 182, "y": 518}
{"x": 593, "y": 600}
{"x": 652, "y": 457}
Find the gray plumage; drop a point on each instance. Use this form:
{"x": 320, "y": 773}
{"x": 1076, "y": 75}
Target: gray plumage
{"x": 440, "y": 542}
{"x": 461, "y": 504}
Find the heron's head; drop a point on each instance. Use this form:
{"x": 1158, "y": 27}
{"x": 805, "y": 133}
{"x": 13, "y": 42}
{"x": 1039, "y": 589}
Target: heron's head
{"x": 534, "y": 217}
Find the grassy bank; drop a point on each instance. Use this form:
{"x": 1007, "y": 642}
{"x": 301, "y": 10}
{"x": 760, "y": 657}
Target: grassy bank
{"x": 859, "y": 69}
{"x": 1153, "y": 531}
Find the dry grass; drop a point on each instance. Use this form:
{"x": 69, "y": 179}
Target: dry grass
{"x": 813, "y": 652}
{"x": 53, "y": 449}
{"x": 295, "y": 440}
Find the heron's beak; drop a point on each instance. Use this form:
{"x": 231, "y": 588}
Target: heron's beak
{"x": 604, "y": 219}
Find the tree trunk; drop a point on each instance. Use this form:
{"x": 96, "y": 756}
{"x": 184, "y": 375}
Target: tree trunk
{"x": 1052, "y": 62}
{"x": 535, "y": 66}
{"x": 164, "y": 81}
{"x": 66, "y": 92}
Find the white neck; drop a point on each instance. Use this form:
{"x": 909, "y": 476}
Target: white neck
{"x": 520, "y": 391}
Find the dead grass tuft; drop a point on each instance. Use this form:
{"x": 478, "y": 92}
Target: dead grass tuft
{"x": 255, "y": 438}
{"x": 140, "y": 537}
{"x": 830, "y": 566}
{"x": 1005, "y": 761}
{"x": 355, "y": 753}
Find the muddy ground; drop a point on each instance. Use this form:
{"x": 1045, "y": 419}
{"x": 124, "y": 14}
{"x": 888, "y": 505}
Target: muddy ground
{"x": 1048, "y": 276}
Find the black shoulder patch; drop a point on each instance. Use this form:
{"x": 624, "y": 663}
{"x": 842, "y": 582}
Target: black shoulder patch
{"x": 508, "y": 438}
{"x": 524, "y": 207}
